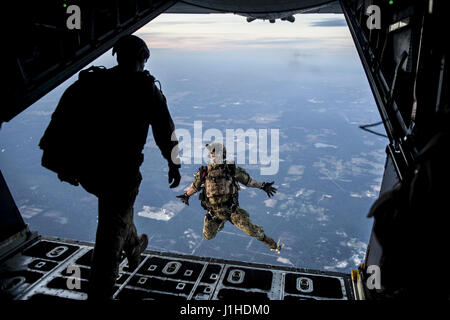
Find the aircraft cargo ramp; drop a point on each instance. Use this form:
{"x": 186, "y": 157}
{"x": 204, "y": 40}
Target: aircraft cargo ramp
{"x": 54, "y": 269}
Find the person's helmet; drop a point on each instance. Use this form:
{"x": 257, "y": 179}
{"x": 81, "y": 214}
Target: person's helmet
{"x": 129, "y": 49}
{"x": 217, "y": 148}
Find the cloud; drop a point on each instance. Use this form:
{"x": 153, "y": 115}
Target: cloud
{"x": 315, "y": 101}
{"x": 167, "y": 212}
{"x": 342, "y": 234}
{"x": 324, "y": 145}
{"x": 285, "y": 261}
{"x": 325, "y": 196}
{"x": 156, "y": 213}
{"x": 341, "y": 264}
{"x": 329, "y": 23}
{"x": 372, "y": 193}
{"x": 57, "y": 216}
{"x": 334, "y": 169}
{"x": 227, "y": 31}
{"x": 297, "y": 170}
{"x": 291, "y": 147}
{"x": 185, "y": 22}
{"x": 192, "y": 238}
{"x": 358, "y": 249}
{"x": 338, "y": 264}
{"x": 366, "y": 193}
{"x": 304, "y": 193}
{"x": 224, "y": 41}
{"x": 271, "y": 203}
{"x": 265, "y": 119}
{"x": 318, "y": 212}
{"x": 29, "y": 211}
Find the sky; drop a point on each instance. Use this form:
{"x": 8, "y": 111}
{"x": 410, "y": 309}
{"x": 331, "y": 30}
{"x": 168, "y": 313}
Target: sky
{"x": 304, "y": 78}
{"x": 219, "y": 32}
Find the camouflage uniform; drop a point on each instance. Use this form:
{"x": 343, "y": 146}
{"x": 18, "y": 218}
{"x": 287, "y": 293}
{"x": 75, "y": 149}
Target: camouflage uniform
{"x": 222, "y": 205}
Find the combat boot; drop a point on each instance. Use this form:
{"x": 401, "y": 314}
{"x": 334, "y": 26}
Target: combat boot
{"x": 268, "y": 241}
{"x": 279, "y": 246}
{"x": 134, "y": 256}
{"x": 274, "y": 246}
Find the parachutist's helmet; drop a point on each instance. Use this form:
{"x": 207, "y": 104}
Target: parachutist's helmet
{"x": 218, "y": 149}
{"x": 130, "y": 49}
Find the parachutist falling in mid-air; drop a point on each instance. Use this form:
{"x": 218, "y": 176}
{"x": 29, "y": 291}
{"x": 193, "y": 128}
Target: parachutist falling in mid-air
{"x": 219, "y": 185}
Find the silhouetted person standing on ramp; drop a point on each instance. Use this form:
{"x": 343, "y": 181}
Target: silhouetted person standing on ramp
{"x": 96, "y": 137}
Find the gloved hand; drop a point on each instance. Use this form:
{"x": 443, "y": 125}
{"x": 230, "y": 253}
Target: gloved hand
{"x": 267, "y": 187}
{"x": 184, "y": 198}
{"x": 174, "y": 175}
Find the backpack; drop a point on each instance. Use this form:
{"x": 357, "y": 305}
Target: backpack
{"x": 62, "y": 139}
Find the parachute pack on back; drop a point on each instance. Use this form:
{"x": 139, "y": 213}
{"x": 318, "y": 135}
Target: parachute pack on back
{"x": 62, "y": 142}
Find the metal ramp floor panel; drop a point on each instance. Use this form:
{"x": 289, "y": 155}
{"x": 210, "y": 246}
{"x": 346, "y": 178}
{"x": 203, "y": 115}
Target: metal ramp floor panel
{"x": 53, "y": 268}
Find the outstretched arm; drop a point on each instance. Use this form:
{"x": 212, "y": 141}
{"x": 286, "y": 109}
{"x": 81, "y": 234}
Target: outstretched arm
{"x": 190, "y": 191}
{"x": 267, "y": 187}
{"x": 195, "y": 186}
{"x": 243, "y": 177}
{"x": 185, "y": 196}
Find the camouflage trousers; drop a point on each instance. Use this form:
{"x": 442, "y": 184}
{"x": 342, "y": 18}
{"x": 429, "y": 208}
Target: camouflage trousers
{"x": 215, "y": 220}
{"x": 115, "y": 232}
